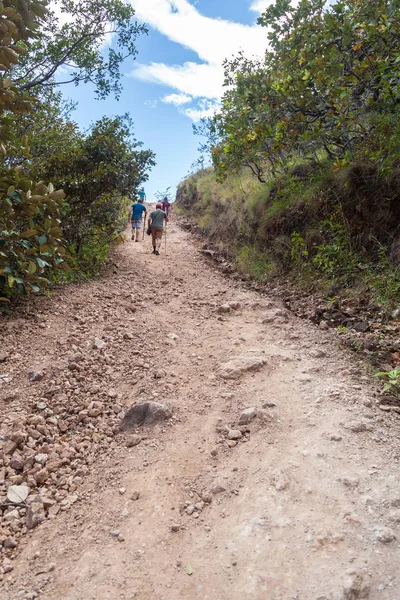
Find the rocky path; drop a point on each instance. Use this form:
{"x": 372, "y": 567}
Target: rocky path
{"x": 276, "y": 478}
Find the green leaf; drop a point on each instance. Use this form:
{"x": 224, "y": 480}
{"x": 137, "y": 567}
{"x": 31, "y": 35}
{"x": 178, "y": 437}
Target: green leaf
{"x": 189, "y": 570}
{"x": 58, "y": 195}
{"x": 32, "y": 268}
{"x": 42, "y": 240}
{"x": 42, "y": 263}
{"x": 29, "y": 233}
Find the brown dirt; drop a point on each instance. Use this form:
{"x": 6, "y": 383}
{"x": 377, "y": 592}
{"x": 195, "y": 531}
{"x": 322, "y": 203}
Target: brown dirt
{"x": 310, "y": 490}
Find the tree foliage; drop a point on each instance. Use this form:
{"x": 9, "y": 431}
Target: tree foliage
{"x": 328, "y": 87}
{"x": 45, "y": 228}
{"x": 88, "y": 39}
{"x": 30, "y": 235}
{"x": 98, "y": 171}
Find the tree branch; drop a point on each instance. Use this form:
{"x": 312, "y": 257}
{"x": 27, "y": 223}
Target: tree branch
{"x": 40, "y": 80}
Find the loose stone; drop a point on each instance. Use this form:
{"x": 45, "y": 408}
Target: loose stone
{"x": 235, "y": 434}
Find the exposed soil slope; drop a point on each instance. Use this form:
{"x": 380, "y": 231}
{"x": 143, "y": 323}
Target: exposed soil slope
{"x": 304, "y": 505}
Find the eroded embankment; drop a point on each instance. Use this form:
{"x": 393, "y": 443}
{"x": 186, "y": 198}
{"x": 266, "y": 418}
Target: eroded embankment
{"x": 320, "y": 241}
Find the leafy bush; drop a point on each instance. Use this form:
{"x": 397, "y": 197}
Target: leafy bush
{"x": 98, "y": 170}
{"x": 335, "y": 259}
{"x": 31, "y": 244}
{"x": 327, "y": 88}
{"x": 299, "y": 251}
{"x": 392, "y": 380}
{"x": 43, "y": 231}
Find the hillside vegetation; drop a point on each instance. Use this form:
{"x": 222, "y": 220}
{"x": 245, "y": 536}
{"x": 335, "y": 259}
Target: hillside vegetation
{"x": 305, "y": 180}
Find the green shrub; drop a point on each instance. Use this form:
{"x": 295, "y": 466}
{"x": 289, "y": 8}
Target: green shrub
{"x": 392, "y": 380}
{"x": 250, "y": 261}
{"x": 31, "y": 241}
{"x": 299, "y": 251}
{"x": 384, "y": 278}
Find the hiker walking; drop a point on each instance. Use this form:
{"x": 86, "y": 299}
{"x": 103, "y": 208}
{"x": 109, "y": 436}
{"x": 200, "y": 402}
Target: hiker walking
{"x": 166, "y": 206}
{"x": 135, "y": 217}
{"x": 157, "y": 219}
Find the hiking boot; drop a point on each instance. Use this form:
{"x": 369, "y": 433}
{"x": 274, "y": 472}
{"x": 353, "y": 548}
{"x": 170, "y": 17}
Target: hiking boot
{"x": 156, "y": 252}
{"x": 133, "y": 236}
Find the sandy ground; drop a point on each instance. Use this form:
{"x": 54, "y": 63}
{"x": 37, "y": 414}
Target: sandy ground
{"x": 306, "y": 505}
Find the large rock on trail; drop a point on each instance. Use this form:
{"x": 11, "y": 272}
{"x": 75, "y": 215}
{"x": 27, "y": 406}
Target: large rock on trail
{"x": 146, "y": 413}
{"x": 35, "y": 514}
{"x": 248, "y": 415}
{"x": 234, "y": 368}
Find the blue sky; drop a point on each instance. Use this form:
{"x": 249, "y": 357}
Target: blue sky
{"x": 177, "y": 76}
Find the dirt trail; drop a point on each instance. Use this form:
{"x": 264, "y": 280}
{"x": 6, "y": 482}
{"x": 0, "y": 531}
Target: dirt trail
{"x": 307, "y": 502}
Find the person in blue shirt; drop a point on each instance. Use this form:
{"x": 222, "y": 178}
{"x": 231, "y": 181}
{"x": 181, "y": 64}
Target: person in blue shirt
{"x": 135, "y": 217}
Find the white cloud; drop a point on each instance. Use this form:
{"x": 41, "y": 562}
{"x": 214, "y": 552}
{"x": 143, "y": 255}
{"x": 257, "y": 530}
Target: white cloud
{"x": 205, "y": 108}
{"x": 151, "y": 103}
{"x": 260, "y": 6}
{"x": 177, "y": 99}
{"x": 197, "y": 80}
{"x": 213, "y": 40}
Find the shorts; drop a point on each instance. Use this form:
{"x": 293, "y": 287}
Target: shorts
{"x": 156, "y": 234}
{"x": 136, "y": 223}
